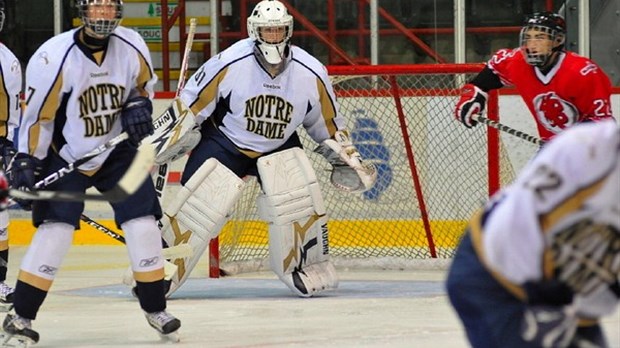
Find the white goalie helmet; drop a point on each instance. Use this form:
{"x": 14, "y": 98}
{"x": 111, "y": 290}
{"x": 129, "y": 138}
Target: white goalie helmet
{"x": 271, "y": 27}
{"x": 100, "y": 16}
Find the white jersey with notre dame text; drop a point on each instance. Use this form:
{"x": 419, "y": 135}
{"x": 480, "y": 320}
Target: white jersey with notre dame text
{"x": 74, "y": 97}
{"x": 259, "y": 113}
{"x": 561, "y": 218}
{"x": 11, "y": 87}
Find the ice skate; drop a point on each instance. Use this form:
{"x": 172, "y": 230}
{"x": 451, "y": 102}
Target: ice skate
{"x": 166, "y": 325}
{"x": 6, "y": 297}
{"x": 18, "y": 332}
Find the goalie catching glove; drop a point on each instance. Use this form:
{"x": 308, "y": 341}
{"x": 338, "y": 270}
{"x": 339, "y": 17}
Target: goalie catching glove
{"x": 349, "y": 171}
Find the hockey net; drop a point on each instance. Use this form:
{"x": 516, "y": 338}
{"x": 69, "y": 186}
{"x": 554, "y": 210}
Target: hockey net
{"x": 433, "y": 173}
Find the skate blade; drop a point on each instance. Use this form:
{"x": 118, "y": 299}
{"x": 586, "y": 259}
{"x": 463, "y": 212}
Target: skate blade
{"x": 172, "y": 337}
{"x": 15, "y": 341}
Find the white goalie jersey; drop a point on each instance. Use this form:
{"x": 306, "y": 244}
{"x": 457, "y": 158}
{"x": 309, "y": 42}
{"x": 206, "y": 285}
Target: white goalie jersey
{"x": 75, "y": 113}
{"x": 259, "y": 113}
{"x": 11, "y": 87}
{"x": 561, "y": 219}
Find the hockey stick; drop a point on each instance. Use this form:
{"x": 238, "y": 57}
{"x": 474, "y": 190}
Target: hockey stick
{"x": 73, "y": 166}
{"x": 509, "y": 130}
{"x": 126, "y": 186}
{"x": 177, "y": 251}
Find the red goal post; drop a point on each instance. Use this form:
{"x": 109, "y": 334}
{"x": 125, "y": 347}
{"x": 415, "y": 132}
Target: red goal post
{"x": 433, "y": 172}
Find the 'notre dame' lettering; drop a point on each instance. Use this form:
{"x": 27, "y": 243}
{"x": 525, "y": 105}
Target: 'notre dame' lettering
{"x": 100, "y": 106}
{"x": 268, "y": 115}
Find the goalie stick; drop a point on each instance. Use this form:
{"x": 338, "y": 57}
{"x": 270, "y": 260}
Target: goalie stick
{"x": 126, "y": 186}
{"x": 509, "y": 130}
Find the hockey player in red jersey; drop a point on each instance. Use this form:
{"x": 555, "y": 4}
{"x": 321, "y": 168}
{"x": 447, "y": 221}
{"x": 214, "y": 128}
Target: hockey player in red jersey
{"x": 560, "y": 88}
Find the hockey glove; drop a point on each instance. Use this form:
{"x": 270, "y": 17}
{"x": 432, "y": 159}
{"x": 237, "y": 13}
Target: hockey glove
{"x": 23, "y": 172}
{"x": 350, "y": 172}
{"x": 549, "y": 326}
{"x": 548, "y": 293}
{"x": 473, "y": 101}
{"x": 136, "y": 119}
{"x": 7, "y": 151}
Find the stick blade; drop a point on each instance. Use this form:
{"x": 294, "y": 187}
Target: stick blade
{"x": 138, "y": 170}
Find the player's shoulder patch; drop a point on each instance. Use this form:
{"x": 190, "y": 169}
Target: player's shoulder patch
{"x": 53, "y": 51}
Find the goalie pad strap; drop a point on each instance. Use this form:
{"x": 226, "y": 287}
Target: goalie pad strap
{"x": 298, "y": 238}
{"x": 198, "y": 212}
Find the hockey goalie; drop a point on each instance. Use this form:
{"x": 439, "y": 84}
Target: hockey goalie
{"x": 249, "y": 101}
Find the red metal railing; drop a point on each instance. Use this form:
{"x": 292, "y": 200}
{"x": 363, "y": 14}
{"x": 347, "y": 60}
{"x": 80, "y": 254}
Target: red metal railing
{"x": 337, "y": 55}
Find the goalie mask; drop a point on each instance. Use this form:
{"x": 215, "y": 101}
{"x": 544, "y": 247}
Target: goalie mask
{"x": 542, "y": 35}
{"x": 271, "y": 28}
{"x": 100, "y": 17}
{"x": 2, "y": 16}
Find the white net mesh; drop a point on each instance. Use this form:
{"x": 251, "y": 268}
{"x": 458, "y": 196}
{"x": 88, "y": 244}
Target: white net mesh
{"x": 433, "y": 174}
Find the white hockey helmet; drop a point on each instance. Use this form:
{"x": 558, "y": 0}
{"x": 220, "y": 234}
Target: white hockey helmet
{"x": 271, "y": 14}
{"x": 103, "y": 19}
{"x": 2, "y": 15}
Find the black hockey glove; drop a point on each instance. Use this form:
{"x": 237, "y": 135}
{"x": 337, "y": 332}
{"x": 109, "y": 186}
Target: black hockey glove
{"x": 23, "y": 173}
{"x": 473, "y": 101}
{"x": 7, "y": 151}
{"x": 136, "y": 119}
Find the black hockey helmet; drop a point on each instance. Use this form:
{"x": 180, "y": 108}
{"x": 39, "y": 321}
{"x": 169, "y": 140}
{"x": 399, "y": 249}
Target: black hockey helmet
{"x": 99, "y": 22}
{"x": 553, "y": 26}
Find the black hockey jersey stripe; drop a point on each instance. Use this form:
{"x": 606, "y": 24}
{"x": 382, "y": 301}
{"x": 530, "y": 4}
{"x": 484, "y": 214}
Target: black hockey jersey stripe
{"x": 146, "y": 71}
{"x": 50, "y": 105}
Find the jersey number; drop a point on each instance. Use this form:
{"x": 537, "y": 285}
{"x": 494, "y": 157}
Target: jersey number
{"x": 544, "y": 180}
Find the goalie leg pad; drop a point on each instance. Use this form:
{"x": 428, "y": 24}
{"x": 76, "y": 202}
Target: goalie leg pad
{"x": 197, "y": 214}
{"x": 293, "y": 206}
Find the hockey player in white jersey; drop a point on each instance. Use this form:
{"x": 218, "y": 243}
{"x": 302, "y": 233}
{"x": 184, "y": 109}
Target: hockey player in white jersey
{"x": 249, "y": 101}
{"x": 540, "y": 264}
{"x": 11, "y": 79}
{"x": 85, "y": 87}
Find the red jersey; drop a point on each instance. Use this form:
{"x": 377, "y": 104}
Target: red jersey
{"x": 574, "y": 90}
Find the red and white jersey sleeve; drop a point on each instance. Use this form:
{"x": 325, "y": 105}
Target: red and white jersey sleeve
{"x": 75, "y": 98}
{"x": 257, "y": 112}
{"x": 561, "y": 217}
{"x": 10, "y": 92}
{"x": 574, "y": 90}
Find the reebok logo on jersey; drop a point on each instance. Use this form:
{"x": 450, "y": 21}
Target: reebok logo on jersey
{"x": 101, "y": 74}
{"x": 268, "y": 85}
